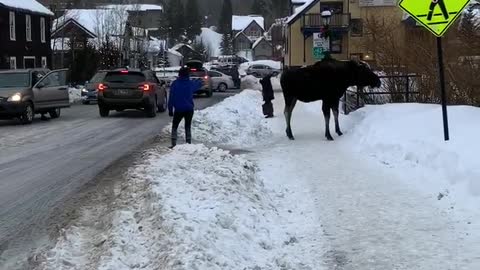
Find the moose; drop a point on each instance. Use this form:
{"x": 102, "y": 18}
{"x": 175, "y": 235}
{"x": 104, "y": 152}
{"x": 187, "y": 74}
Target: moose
{"x": 326, "y": 80}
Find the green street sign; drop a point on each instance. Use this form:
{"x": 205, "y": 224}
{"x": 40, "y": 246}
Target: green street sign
{"x": 318, "y": 53}
{"x": 435, "y": 15}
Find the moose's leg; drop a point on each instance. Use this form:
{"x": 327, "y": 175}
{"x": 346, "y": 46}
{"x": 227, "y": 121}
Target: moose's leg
{"x": 335, "y": 115}
{"x": 289, "y": 106}
{"x": 326, "y": 114}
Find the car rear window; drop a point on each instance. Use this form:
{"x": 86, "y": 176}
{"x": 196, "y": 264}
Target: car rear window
{"x": 120, "y": 77}
{"x": 14, "y": 80}
{"x": 98, "y": 77}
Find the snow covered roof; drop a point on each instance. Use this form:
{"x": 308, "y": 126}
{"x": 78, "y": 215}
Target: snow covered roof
{"x": 27, "y": 5}
{"x": 298, "y": 1}
{"x": 259, "y": 41}
{"x": 300, "y": 10}
{"x": 241, "y": 22}
{"x": 139, "y": 7}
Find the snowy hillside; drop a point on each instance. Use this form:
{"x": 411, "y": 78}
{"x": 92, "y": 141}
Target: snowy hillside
{"x": 211, "y": 40}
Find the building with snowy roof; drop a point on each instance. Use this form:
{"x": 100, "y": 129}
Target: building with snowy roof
{"x": 249, "y": 31}
{"x": 24, "y": 34}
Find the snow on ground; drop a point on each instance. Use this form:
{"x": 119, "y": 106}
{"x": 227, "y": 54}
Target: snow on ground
{"x": 237, "y": 122}
{"x": 212, "y": 41}
{"x": 371, "y": 216}
{"x": 410, "y": 137}
{"x": 74, "y": 94}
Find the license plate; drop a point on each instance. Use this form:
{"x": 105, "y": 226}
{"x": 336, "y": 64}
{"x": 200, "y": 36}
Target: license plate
{"x": 122, "y": 92}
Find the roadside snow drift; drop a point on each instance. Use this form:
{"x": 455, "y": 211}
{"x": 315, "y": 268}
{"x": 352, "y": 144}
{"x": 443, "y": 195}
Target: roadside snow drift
{"x": 237, "y": 122}
{"x": 74, "y": 94}
{"x": 411, "y": 136}
{"x": 216, "y": 212}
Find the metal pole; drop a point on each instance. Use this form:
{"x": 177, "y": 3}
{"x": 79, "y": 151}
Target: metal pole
{"x": 407, "y": 94}
{"x": 442, "y": 88}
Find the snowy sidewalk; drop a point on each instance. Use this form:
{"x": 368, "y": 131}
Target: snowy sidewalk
{"x": 371, "y": 219}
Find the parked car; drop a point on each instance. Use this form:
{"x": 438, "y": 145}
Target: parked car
{"x": 230, "y": 70}
{"x": 221, "y": 82}
{"x": 89, "y": 92}
{"x": 262, "y": 71}
{"x": 123, "y": 89}
{"x": 197, "y": 71}
{"x": 24, "y": 93}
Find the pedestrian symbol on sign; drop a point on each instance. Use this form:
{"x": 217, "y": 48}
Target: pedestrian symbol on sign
{"x": 442, "y": 7}
{"x": 435, "y": 15}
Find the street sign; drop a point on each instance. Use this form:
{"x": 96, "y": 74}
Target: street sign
{"x": 320, "y": 46}
{"x": 435, "y": 15}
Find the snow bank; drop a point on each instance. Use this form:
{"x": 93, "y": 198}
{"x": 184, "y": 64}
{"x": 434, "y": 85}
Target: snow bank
{"x": 74, "y": 94}
{"x": 410, "y": 136}
{"x": 215, "y": 212}
{"x": 251, "y": 82}
{"x": 238, "y": 121}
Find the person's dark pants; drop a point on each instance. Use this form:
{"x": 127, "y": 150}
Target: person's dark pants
{"x": 177, "y": 118}
{"x": 267, "y": 108}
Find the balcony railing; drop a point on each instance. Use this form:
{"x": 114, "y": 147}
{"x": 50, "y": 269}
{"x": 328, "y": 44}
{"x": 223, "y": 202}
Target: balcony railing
{"x": 314, "y": 21}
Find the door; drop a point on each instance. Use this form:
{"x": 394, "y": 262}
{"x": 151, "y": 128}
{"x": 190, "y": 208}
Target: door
{"x": 52, "y": 90}
{"x": 29, "y": 62}
{"x": 216, "y": 78}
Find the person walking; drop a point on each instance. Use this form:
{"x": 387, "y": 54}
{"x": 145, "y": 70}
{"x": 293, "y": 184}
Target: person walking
{"x": 181, "y": 105}
{"x": 268, "y": 96}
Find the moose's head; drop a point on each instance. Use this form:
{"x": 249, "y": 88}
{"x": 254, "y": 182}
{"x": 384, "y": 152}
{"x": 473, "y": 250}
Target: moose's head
{"x": 364, "y": 76}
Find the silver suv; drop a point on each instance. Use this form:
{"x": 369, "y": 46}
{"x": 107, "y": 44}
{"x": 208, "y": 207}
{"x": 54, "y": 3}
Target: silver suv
{"x": 24, "y": 93}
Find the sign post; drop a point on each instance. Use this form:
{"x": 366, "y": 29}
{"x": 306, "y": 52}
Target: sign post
{"x": 436, "y": 16}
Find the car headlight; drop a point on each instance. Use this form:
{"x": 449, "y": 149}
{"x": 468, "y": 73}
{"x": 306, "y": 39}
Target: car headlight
{"x": 84, "y": 90}
{"x": 15, "y": 98}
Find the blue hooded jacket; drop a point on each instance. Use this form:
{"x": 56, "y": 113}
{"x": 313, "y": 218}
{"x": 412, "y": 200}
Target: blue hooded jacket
{"x": 181, "y": 94}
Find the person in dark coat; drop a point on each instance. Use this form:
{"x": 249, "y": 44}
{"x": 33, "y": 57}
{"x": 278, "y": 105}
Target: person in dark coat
{"x": 235, "y": 76}
{"x": 181, "y": 105}
{"x": 268, "y": 96}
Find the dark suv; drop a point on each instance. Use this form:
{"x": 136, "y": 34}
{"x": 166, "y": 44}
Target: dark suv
{"x": 197, "y": 71}
{"x": 123, "y": 89}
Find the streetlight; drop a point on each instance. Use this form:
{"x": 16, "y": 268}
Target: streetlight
{"x": 326, "y": 18}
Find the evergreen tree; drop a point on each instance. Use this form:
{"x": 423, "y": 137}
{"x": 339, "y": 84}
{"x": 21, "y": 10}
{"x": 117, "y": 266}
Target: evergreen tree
{"x": 260, "y": 7}
{"x": 176, "y": 20}
{"x": 281, "y": 8}
{"x": 194, "y": 20}
{"x": 225, "y": 24}
{"x": 227, "y": 44}
{"x": 199, "y": 47}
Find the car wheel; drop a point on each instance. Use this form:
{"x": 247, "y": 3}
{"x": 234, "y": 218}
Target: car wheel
{"x": 275, "y": 74}
{"x": 104, "y": 111}
{"x": 27, "y": 115}
{"x": 55, "y": 113}
{"x": 151, "y": 110}
{"x": 222, "y": 87}
{"x": 163, "y": 107}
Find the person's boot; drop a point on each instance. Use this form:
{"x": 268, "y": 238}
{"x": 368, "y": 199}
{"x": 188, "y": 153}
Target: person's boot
{"x": 174, "y": 143}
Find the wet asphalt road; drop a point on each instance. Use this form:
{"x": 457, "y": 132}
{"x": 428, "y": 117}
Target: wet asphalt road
{"x": 43, "y": 163}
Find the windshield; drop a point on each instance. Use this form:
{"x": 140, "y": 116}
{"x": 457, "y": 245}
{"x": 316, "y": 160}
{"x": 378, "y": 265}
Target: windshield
{"x": 98, "y": 77}
{"x": 8, "y": 80}
{"x": 130, "y": 77}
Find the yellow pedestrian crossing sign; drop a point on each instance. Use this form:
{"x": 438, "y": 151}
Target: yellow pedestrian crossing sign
{"x": 435, "y": 15}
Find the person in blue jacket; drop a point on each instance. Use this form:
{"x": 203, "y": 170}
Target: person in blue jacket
{"x": 180, "y": 103}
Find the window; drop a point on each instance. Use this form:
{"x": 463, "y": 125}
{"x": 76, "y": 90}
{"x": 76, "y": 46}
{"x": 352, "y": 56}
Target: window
{"x": 336, "y": 44}
{"x": 357, "y": 27}
{"x": 44, "y": 62}
{"x": 13, "y": 35}
{"x": 29, "y": 62}
{"x": 13, "y": 62}
{"x": 28, "y": 27}
{"x": 42, "y": 30}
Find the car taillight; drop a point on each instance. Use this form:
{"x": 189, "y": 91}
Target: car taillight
{"x": 206, "y": 77}
{"x": 145, "y": 87}
{"x": 124, "y": 71}
{"x": 101, "y": 87}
